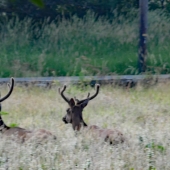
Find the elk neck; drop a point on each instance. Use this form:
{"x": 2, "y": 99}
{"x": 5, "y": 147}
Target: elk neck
{"x": 80, "y": 125}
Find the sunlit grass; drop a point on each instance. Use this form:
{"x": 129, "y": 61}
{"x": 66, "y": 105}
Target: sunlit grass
{"x": 141, "y": 114}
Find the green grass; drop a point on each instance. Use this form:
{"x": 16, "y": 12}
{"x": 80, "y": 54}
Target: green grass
{"x": 81, "y": 46}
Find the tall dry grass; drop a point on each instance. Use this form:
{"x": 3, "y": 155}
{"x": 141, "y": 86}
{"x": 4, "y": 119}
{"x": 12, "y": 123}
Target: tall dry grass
{"x": 141, "y": 114}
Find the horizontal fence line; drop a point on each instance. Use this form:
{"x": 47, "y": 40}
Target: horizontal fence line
{"x": 75, "y": 79}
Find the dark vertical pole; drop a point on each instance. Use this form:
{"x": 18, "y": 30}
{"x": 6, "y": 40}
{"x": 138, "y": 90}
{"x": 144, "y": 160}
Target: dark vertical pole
{"x": 143, "y": 35}
{"x": 162, "y": 4}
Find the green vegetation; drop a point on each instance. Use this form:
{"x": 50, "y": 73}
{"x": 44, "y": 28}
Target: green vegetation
{"x": 81, "y": 46}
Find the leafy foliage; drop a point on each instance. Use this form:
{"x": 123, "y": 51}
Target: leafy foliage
{"x": 54, "y": 8}
{"x": 38, "y": 3}
{"x": 13, "y": 125}
{"x": 3, "y": 113}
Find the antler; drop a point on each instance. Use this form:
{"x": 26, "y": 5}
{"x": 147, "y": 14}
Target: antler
{"x": 10, "y": 90}
{"x": 0, "y": 106}
{"x": 62, "y": 94}
{"x": 92, "y": 97}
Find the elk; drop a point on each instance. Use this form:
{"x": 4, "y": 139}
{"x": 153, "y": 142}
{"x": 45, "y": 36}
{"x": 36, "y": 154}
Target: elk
{"x": 22, "y": 134}
{"x": 75, "y": 117}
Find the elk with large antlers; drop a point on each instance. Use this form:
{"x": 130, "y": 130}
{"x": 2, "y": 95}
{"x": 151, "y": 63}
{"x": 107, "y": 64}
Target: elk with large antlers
{"x": 75, "y": 117}
{"x": 19, "y": 133}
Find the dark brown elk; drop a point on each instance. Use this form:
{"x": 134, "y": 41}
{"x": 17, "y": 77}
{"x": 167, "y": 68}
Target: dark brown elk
{"x": 18, "y": 133}
{"x": 75, "y": 117}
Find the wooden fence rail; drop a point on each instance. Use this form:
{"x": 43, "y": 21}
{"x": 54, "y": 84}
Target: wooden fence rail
{"x": 124, "y": 80}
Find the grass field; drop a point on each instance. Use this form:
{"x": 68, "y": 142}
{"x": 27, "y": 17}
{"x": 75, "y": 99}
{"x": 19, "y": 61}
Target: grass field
{"x": 81, "y": 46}
{"x": 141, "y": 114}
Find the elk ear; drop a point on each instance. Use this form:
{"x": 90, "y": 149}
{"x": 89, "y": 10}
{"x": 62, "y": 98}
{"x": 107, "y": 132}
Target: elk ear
{"x": 84, "y": 104}
{"x": 72, "y": 102}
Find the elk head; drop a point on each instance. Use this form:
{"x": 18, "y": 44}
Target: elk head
{"x": 74, "y": 112}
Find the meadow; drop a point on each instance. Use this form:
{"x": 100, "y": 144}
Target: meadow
{"x": 141, "y": 114}
{"x": 80, "y": 47}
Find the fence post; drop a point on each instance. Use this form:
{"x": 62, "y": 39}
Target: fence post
{"x": 143, "y": 5}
